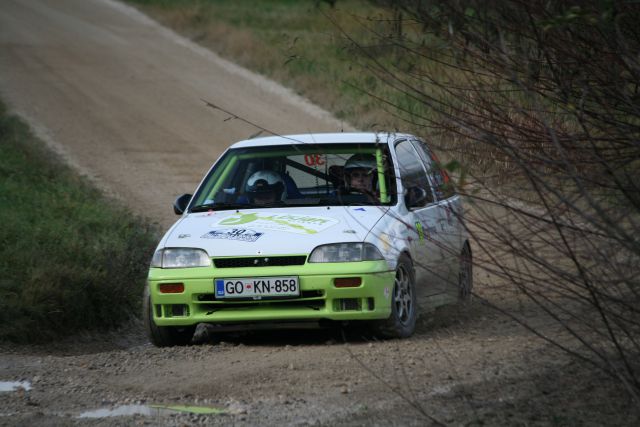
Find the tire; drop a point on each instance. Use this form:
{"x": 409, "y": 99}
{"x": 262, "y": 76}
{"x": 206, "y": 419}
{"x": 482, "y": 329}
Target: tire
{"x": 163, "y": 336}
{"x": 402, "y": 322}
{"x": 465, "y": 274}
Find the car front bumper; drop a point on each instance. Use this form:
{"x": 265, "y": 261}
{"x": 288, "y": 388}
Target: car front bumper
{"x": 319, "y": 298}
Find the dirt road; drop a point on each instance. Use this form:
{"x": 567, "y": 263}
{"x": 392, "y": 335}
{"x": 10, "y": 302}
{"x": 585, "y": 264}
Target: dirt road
{"x": 120, "y": 98}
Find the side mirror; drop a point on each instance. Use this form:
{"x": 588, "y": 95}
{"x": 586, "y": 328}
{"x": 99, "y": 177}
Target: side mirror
{"x": 181, "y": 203}
{"x": 416, "y": 196}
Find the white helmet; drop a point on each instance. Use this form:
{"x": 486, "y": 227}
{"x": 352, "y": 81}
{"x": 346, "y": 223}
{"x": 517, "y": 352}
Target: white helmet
{"x": 265, "y": 181}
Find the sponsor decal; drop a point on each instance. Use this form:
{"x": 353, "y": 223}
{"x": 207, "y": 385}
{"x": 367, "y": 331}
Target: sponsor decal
{"x": 420, "y": 231}
{"x": 425, "y": 232}
{"x": 241, "y": 234}
{"x": 315, "y": 159}
{"x": 183, "y": 236}
{"x": 385, "y": 242}
{"x": 386, "y": 293}
{"x": 360, "y": 209}
{"x": 301, "y": 224}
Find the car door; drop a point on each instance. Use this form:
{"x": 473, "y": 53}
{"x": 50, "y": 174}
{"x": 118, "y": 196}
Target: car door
{"x": 448, "y": 212}
{"x": 423, "y": 221}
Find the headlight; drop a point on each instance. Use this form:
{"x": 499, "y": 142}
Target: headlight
{"x": 180, "y": 258}
{"x": 345, "y": 252}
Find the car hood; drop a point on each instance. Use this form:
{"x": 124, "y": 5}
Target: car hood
{"x": 272, "y": 231}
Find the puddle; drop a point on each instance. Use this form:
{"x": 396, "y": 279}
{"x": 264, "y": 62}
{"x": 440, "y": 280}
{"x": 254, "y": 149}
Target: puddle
{"x": 14, "y": 385}
{"x": 149, "y": 410}
{"x": 206, "y": 410}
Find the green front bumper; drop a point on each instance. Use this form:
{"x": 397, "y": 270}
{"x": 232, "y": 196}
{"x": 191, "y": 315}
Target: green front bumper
{"x": 319, "y": 298}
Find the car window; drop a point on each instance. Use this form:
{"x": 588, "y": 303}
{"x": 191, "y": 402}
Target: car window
{"x": 439, "y": 177}
{"x": 299, "y": 175}
{"x": 412, "y": 170}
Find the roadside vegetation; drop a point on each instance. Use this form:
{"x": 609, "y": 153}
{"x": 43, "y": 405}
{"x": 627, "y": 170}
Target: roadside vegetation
{"x": 71, "y": 259}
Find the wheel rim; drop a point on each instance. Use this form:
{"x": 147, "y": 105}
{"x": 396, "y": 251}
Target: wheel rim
{"x": 464, "y": 276}
{"x": 402, "y": 295}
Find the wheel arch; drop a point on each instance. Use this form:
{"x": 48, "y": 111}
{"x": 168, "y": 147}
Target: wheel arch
{"x": 406, "y": 252}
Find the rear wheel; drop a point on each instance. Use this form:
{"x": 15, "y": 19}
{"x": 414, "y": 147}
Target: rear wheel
{"x": 402, "y": 321}
{"x": 163, "y": 336}
{"x": 465, "y": 274}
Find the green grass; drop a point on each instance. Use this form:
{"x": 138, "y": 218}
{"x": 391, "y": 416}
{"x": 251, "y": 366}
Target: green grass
{"x": 70, "y": 259}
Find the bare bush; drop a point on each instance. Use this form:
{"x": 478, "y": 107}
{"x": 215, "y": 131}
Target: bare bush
{"x": 537, "y": 105}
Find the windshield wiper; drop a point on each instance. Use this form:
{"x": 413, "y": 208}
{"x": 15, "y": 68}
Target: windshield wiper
{"x": 215, "y": 206}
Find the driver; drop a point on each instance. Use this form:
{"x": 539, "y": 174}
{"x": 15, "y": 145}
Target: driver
{"x": 360, "y": 172}
{"x": 264, "y": 187}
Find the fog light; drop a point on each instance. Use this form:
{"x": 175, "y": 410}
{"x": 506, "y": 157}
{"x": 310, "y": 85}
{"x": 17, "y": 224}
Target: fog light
{"x": 349, "y": 304}
{"x": 172, "y": 288}
{"x": 179, "y": 310}
{"x": 347, "y": 282}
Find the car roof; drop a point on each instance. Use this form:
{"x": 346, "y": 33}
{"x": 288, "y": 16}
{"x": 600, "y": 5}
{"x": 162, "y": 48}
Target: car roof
{"x": 323, "y": 138}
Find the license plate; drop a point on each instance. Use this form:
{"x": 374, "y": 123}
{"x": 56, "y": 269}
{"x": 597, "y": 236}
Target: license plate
{"x": 257, "y": 287}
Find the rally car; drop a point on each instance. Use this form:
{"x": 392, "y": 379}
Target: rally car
{"x": 344, "y": 227}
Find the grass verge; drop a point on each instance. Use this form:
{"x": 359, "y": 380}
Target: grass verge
{"x": 70, "y": 259}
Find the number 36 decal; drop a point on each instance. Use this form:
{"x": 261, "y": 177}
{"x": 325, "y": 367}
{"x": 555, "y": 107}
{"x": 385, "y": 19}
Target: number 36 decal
{"x": 314, "y": 159}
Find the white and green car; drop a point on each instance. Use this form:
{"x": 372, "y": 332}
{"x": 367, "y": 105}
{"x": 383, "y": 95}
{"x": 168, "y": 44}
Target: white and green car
{"x": 311, "y": 228}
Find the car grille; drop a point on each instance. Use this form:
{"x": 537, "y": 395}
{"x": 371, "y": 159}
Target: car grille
{"x": 272, "y": 261}
{"x": 313, "y": 300}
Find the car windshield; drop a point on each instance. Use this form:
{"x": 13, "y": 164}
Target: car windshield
{"x": 299, "y": 175}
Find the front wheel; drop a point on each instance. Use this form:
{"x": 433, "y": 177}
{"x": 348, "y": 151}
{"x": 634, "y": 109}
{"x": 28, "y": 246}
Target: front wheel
{"x": 163, "y": 336}
{"x": 402, "y": 322}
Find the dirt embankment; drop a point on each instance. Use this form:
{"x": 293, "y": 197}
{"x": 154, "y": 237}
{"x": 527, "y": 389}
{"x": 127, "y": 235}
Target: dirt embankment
{"x": 120, "y": 97}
